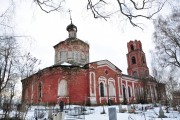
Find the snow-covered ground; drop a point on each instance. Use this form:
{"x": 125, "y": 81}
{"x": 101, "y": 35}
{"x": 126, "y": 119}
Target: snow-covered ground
{"x": 94, "y": 113}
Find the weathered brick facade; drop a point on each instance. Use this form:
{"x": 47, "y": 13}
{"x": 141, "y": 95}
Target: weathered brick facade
{"x": 46, "y": 83}
{"x": 80, "y": 82}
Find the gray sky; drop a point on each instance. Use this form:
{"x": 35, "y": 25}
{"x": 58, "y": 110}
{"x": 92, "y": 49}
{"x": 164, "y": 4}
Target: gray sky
{"x": 107, "y": 39}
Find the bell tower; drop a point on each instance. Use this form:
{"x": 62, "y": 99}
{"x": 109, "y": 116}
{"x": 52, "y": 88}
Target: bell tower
{"x": 136, "y": 59}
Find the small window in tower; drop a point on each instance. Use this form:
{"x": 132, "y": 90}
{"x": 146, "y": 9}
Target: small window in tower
{"x": 132, "y": 47}
{"x": 133, "y": 60}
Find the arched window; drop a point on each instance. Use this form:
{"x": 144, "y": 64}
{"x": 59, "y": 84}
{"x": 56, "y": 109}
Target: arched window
{"x": 111, "y": 89}
{"x": 124, "y": 91}
{"x": 62, "y": 88}
{"x": 102, "y": 89}
{"x": 129, "y": 91}
{"x": 132, "y": 47}
{"x": 92, "y": 83}
{"x": 40, "y": 90}
{"x": 133, "y": 60}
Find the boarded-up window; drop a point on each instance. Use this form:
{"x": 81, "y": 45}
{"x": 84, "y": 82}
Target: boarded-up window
{"x": 62, "y": 88}
{"x": 83, "y": 56}
{"x": 112, "y": 92}
{"x": 70, "y": 55}
{"x": 63, "y": 56}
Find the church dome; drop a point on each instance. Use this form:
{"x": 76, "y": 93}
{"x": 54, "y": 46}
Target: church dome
{"x": 71, "y": 27}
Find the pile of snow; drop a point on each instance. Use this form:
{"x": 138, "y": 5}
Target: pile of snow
{"x": 66, "y": 64}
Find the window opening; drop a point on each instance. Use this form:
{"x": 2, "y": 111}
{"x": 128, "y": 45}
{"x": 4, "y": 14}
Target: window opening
{"x": 129, "y": 90}
{"x": 102, "y": 89}
{"x": 133, "y": 60}
{"x": 40, "y": 90}
{"x": 132, "y": 47}
{"x": 106, "y": 71}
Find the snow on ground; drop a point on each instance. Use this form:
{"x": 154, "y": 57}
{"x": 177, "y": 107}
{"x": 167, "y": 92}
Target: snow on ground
{"x": 95, "y": 113}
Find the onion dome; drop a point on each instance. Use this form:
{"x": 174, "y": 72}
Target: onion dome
{"x": 71, "y": 27}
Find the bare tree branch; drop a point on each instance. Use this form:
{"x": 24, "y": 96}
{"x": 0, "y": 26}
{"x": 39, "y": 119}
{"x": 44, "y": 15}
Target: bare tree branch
{"x": 167, "y": 39}
{"x": 125, "y": 9}
{"x": 49, "y": 6}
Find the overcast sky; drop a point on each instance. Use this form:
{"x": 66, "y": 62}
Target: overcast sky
{"x": 107, "y": 39}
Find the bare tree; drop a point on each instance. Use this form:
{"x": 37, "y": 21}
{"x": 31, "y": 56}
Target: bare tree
{"x": 8, "y": 95}
{"x": 13, "y": 65}
{"x": 166, "y": 60}
{"x": 6, "y": 17}
{"x": 158, "y": 74}
{"x": 167, "y": 39}
{"x": 158, "y": 70}
{"x": 171, "y": 82}
{"x": 8, "y": 53}
{"x": 129, "y": 9}
{"x": 27, "y": 65}
{"x": 50, "y": 5}
{"x": 166, "y": 75}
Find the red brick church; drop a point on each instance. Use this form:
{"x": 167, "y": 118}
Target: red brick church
{"x": 75, "y": 80}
